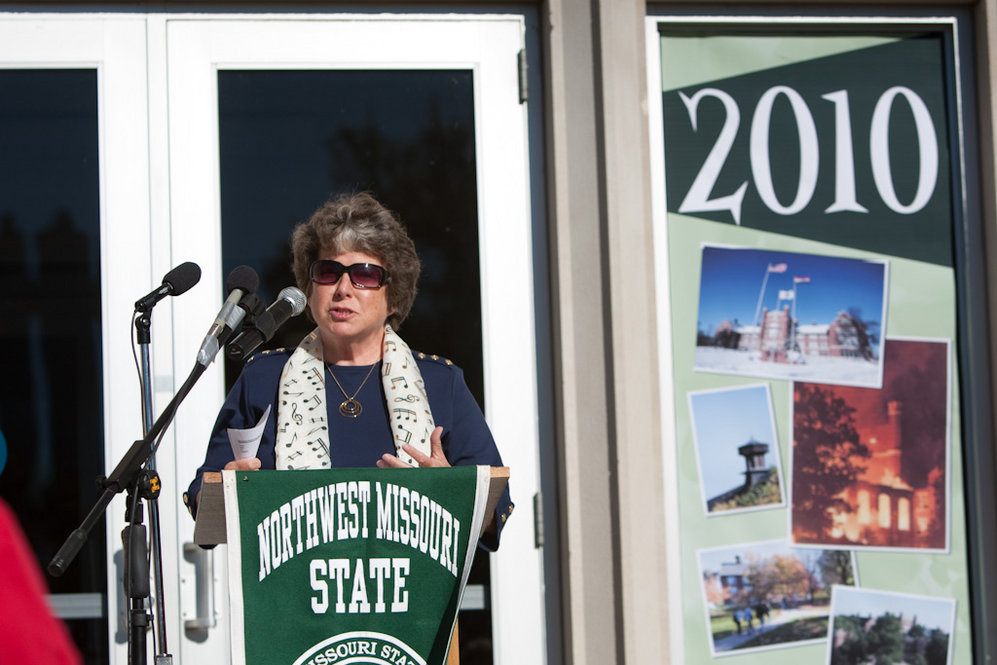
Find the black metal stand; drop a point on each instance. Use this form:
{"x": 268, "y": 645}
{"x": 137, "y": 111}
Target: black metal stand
{"x": 132, "y": 474}
{"x": 136, "y": 472}
{"x": 136, "y": 577}
{"x": 144, "y": 337}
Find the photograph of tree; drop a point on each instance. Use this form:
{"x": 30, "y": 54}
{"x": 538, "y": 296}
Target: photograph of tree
{"x": 786, "y": 315}
{"x": 737, "y": 451}
{"x": 769, "y": 594}
{"x": 870, "y": 467}
{"x": 884, "y": 628}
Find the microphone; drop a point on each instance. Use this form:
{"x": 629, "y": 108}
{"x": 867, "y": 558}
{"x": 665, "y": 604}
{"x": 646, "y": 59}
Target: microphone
{"x": 240, "y": 282}
{"x": 176, "y": 281}
{"x": 290, "y": 302}
{"x": 253, "y": 307}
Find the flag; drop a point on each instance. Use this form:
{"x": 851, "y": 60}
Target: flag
{"x": 801, "y": 280}
{"x": 779, "y": 267}
{"x": 785, "y": 295}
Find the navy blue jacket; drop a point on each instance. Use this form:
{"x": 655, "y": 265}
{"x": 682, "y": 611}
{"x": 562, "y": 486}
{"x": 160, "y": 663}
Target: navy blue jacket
{"x": 356, "y": 442}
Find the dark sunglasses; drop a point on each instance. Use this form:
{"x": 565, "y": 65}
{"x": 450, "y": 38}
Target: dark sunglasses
{"x": 363, "y": 275}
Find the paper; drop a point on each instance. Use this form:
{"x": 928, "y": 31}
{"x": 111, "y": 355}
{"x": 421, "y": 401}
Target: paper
{"x": 245, "y": 442}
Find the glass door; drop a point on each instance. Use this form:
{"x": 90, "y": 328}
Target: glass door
{"x": 130, "y": 143}
{"x": 73, "y": 247}
{"x": 269, "y": 118}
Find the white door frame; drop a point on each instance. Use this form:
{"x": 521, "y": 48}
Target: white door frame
{"x": 487, "y": 45}
{"x": 116, "y": 47}
{"x": 159, "y": 206}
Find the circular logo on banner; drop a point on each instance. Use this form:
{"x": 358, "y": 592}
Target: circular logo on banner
{"x": 360, "y": 647}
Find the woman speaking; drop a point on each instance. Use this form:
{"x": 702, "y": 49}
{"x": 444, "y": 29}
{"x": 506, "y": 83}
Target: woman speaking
{"x": 352, "y": 394}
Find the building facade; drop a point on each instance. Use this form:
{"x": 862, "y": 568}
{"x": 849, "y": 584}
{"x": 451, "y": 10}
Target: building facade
{"x": 577, "y": 354}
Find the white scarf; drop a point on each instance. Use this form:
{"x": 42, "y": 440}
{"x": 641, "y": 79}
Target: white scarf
{"x": 302, "y": 427}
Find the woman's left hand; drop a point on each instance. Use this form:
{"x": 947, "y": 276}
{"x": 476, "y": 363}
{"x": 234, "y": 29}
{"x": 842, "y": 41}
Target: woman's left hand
{"x": 435, "y": 458}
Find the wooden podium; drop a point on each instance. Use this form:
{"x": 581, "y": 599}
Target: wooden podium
{"x": 210, "y": 525}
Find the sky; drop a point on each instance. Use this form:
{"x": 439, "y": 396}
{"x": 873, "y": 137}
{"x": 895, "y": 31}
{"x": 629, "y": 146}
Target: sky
{"x": 723, "y": 421}
{"x": 711, "y": 560}
{"x": 930, "y": 612}
{"x": 732, "y": 278}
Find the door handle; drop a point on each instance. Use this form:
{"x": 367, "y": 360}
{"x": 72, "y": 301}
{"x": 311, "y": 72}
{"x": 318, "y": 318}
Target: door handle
{"x": 204, "y": 575}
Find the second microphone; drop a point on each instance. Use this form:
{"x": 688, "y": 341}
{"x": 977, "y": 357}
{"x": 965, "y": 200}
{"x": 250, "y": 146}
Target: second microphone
{"x": 290, "y": 302}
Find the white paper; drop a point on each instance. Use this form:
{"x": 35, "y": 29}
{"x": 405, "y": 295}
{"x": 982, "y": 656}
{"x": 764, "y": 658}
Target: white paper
{"x": 245, "y": 442}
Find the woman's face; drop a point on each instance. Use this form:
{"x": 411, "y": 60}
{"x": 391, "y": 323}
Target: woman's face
{"x": 347, "y": 315}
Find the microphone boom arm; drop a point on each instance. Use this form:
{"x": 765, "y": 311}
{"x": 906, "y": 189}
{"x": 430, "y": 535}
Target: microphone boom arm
{"x": 124, "y": 475}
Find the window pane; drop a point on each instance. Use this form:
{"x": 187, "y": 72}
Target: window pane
{"x": 289, "y": 140}
{"x": 51, "y": 411}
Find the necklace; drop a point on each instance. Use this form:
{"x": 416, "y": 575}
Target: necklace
{"x": 350, "y": 407}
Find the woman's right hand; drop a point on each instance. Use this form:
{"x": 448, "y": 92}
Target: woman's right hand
{"x": 247, "y": 464}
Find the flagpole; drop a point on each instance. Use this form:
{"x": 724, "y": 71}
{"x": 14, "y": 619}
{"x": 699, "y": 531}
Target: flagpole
{"x": 761, "y": 295}
{"x": 793, "y": 322}
{"x": 796, "y": 280}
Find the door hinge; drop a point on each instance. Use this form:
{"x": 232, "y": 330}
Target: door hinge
{"x": 538, "y": 520}
{"x": 521, "y": 63}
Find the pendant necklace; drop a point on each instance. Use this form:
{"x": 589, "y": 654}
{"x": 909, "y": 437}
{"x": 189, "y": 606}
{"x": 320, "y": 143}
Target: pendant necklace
{"x": 350, "y": 407}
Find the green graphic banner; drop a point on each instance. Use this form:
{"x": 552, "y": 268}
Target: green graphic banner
{"x": 349, "y": 565}
{"x": 812, "y": 193}
{"x": 848, "y": 147}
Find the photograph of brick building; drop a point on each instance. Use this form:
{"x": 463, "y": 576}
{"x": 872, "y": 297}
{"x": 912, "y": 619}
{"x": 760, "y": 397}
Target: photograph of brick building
{"x": 777, "y": 337}
{"x": 793, "y": 316}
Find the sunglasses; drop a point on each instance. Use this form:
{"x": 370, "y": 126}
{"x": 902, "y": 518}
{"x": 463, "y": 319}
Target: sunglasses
{"x": 362, "y": 275}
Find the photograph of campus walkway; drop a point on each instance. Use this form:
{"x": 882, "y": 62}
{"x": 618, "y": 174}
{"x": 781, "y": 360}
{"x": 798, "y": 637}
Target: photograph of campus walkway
{"x": 769, "y": 594}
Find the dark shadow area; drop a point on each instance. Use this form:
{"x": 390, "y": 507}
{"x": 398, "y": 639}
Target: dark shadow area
{"x": 51, "y": 401}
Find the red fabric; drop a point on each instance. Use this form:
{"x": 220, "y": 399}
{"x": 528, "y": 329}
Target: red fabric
{"x": 29, "y": 634}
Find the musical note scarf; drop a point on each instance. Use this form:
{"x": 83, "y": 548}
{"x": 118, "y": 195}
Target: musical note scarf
{"x": 305, "y": 445}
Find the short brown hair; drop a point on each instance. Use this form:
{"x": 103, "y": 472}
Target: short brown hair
{"x": 359, "y": 223}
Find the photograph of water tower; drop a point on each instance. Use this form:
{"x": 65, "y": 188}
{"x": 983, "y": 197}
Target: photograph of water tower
{"x": 737, "y": 450}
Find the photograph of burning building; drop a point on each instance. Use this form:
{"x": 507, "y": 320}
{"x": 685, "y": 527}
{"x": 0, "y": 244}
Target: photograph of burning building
{"x": 870, "y": 467}
{"x": 787, "y": 315}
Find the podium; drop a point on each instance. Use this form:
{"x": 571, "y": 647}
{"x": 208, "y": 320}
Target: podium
{"x": 347, "y": 565}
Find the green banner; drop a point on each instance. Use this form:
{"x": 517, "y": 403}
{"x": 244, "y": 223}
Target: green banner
{"x": 349, "y": 565}
{"x": 812, "y": 194}
{"x": 847, "y": 146}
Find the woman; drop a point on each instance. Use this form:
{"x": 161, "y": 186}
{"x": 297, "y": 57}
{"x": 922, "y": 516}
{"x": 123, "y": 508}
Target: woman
{"x": 352, "y": 394}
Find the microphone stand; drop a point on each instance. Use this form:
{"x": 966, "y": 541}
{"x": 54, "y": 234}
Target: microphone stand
{"x": 134, "y": 475}
{"x": 144, "y": 336}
